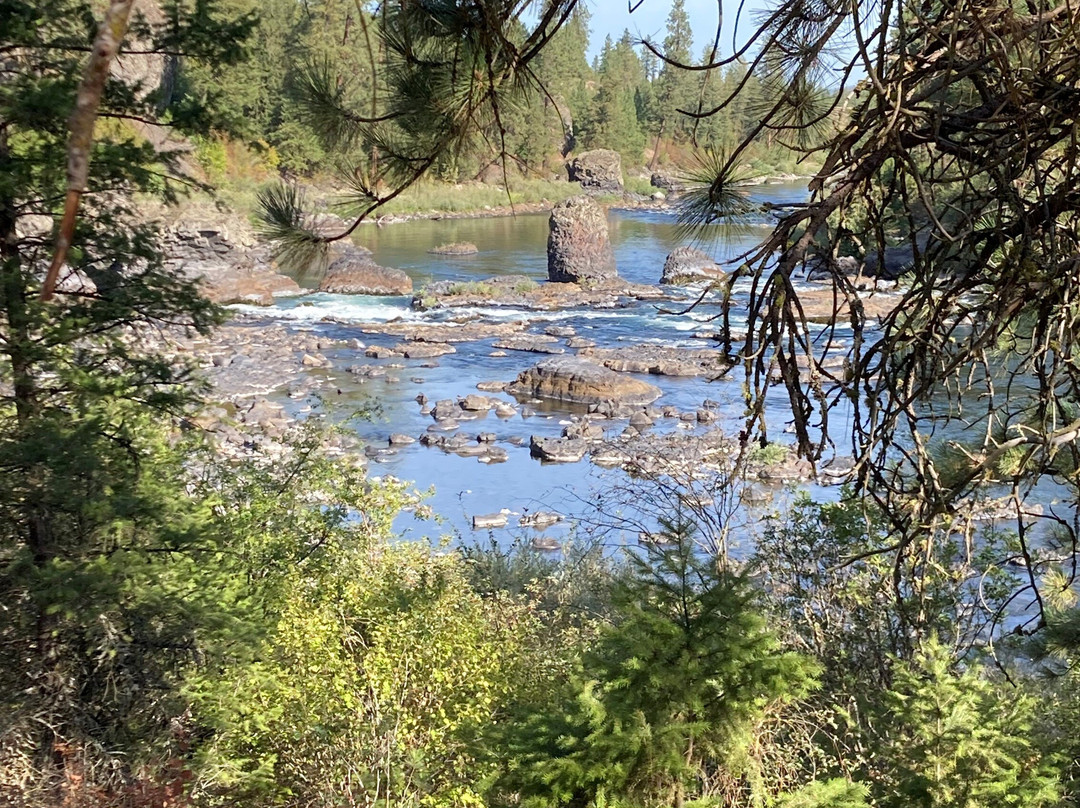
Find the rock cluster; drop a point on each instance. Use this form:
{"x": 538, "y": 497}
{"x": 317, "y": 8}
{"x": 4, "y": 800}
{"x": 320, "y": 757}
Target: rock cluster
{"x": 520, "y": 291}
{"x": 599, "y": 169}
{"x": 443, "y": 333}
{"x": 667, "y": 182}
{"x": 578, "y": 247}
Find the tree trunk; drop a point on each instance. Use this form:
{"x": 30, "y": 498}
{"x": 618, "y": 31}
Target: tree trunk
{"x": 656, "y": 146}
{"x": 81, "y": 126}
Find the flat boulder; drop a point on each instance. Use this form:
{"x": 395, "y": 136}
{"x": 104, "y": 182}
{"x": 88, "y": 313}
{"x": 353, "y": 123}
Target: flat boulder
{"x": 660, "y": 360}
{"x": 830, "y": 305}
{"x": 567, "y": 378}
{"x": 690, "y": 265}
{"x": 423, "y": 350}
{"x": 489, "y": 520}
{"x": 353, "y": 272}
{"x": 599, "y": 169}
{"x": 578, "y": 246}
{"x": 530, "y": 343}
{"x": 557, "y": 450}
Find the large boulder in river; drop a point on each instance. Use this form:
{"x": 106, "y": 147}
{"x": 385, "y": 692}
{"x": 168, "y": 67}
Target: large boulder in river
{"x": 599, "y": 169}
{"x": 244, "y": 283}
{"x": 690, "y": 265}
{"x": 567, "y": 378}
{"x": 578, "y": 246}
{"x": 222, "y": 256}
{"x": 353, "y": 272}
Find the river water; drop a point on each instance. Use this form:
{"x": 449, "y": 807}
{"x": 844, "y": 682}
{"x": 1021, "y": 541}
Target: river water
{"x": 462, "y": 487}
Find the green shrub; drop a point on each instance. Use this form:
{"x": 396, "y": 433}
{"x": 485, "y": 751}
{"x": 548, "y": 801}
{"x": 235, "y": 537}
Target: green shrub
{"x": 769, "y": 455}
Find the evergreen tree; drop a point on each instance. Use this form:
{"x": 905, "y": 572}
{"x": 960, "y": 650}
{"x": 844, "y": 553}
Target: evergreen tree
{"x": 952, "y": 739}
{"x": 668, "y": 694}
{"x": 614, "y": 123}
{"x": 104, "y": 602}
{"x": 676, "y": 88}
{"x": 565, "y": 73}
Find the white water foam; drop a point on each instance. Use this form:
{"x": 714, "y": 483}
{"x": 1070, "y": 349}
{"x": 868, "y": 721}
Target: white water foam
{"x": 337, "y": 308}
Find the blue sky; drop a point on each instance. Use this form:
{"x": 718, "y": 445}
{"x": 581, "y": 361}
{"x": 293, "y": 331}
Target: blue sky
{"x": 648, "y": 21}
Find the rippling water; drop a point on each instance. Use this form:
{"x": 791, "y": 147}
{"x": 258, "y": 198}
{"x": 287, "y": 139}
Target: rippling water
{"x": 464, "y": 487}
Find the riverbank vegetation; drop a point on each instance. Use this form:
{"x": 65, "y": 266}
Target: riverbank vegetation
{"x": 188, "y": 625}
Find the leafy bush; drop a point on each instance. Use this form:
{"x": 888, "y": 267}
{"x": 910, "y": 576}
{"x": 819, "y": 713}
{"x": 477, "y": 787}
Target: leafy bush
{"x": 769, "y": 455}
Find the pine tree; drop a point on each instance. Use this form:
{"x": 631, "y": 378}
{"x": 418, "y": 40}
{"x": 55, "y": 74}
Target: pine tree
{"x": 565, "y": 73}
{"x": 669, "y": 692}
{"x": 676, "y": 87}
{"x": 951, "y": 739}
{"x": 102, "y": 605}
{"x": 614, "y": 123}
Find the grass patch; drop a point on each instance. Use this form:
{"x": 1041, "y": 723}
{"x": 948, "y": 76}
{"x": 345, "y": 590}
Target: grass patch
{"x": 466, "y": 197}
{"x": 472, "y": 289}
{"x": 639, "y": 185}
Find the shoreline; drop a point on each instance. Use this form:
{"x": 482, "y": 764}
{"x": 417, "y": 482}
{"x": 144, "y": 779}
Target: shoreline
{"x": 628, "y": 200}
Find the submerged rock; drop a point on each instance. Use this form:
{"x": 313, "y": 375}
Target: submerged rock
{"x": 582, "y": 382}
{"x": 455, "y": 248}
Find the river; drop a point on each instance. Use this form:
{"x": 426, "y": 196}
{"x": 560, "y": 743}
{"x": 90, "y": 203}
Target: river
{"x": 605, "y": 499}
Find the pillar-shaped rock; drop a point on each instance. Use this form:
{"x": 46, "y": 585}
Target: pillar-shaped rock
{"x": 578, "y": 246}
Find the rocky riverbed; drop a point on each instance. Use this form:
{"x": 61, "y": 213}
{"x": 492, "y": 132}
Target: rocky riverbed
{"x": 490, "y": 363}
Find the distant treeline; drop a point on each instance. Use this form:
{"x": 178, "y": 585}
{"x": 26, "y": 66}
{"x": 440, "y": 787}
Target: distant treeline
{"x": 627, "y": 99}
